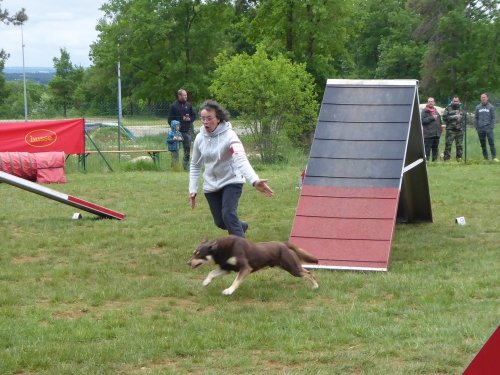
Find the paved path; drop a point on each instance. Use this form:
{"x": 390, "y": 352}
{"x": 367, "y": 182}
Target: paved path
{"x": 141, "y": 131}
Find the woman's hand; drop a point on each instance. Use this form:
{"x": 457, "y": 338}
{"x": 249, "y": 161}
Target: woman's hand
{"x": 261, "y": 186}
{"x": 192, "y": 199}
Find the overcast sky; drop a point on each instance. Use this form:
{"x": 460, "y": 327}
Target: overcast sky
{"x": 51, "y": 25}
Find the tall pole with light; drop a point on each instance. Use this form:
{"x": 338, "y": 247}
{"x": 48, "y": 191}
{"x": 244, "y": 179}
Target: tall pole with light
{"x": 19, "y": 19}
{"x": 24, "y": 79}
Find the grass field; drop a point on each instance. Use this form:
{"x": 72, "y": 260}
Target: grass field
{"x": 96, "y": 296}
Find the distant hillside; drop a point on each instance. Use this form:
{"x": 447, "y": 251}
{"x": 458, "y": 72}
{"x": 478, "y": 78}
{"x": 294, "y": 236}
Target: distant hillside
{"x": 40, "y": 75}
{"x": 28, "y": 69}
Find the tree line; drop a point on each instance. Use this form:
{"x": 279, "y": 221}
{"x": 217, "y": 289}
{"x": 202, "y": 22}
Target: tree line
{"x": 450, "y": 46}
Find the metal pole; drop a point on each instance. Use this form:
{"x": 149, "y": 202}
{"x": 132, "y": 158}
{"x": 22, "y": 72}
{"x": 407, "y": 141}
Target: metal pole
{"x": 465, "y": 136}
{"x": 119, "y": 107}
{"x": 24, "y": 78}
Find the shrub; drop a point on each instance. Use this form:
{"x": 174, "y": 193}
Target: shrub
{"x": 272, "y": 96}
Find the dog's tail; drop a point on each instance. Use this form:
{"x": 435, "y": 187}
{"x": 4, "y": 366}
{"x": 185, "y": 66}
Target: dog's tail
{"x": 301, "y": 253}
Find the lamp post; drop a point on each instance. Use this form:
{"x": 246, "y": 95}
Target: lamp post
{"x": 24, "y": 78}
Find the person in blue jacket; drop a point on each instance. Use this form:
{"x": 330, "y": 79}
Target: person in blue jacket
{"x": 174, "y": 139}
{"x": 485, "y": 123}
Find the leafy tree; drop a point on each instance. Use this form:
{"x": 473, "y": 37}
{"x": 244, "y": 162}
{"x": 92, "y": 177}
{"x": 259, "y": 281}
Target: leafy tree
{"x": 313, "y": 32}
{"x": 272, "y": 96}
{"x": 17, "y": 19}
{"x": 370, "y": 23}
{"x": 3, "y": 93}
{"x": 399, "y": 53}
{"x": 63, "y": 85}
{"x": 12, "y": 105}
{"x": 463, "y": 47}
{"x": 384, "y": 45}
{"x": 96, "y": 94}
{"x": 245, "y": 12}
{"x": 162, "y": 45}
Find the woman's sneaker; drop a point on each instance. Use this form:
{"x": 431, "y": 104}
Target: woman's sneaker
{"x": 244, "y": 226}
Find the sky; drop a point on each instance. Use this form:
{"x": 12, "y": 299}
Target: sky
{"x": 51, "y": 25}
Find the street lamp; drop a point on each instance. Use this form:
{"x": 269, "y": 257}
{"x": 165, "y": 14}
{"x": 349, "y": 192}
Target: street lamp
{"x": 24, "y": 79}
{"x": 19, "y": 19}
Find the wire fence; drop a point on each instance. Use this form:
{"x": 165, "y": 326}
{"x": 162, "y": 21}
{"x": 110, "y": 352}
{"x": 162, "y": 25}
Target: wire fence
{"x": 150, "y": 120}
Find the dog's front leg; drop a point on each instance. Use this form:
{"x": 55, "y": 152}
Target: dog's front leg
{"x": 237, "y": 282}
{"x": 309, "y": 276}
{"x": 213, "y": 274}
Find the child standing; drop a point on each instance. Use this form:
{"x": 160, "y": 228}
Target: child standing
{"x": 174, "y": 138}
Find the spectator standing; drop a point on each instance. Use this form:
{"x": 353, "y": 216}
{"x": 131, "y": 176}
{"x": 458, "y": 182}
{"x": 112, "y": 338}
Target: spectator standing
{"x": 454, "y": 117}
{"x": 431, "y": 124}
{"x": 220, "y": 152}
{"x": 174, "y": 138}
{"x": 182, "y": 111}
{"x": 485, "y": 123}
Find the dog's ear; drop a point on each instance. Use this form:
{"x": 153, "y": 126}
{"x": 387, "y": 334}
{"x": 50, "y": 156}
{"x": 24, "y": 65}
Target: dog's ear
{"x": 205, "y": 239}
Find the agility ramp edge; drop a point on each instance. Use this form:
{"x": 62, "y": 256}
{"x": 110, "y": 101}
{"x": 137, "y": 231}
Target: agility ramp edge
{"x": 60, "y": 197}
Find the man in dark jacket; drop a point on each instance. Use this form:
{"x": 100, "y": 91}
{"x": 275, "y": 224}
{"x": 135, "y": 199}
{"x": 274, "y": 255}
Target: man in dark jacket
{"x": 182, "y": 111}
{"x": 454, "y": 117}
{"x": 431, "y": 125}
{"x": 485, "y": 123}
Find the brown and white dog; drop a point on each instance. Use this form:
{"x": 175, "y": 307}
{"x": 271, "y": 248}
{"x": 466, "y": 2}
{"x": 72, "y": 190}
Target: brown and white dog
{"x": 232, "y": 253}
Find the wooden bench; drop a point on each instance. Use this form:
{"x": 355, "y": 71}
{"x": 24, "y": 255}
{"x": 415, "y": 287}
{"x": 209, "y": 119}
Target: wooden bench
{"x": 154, "y": 154}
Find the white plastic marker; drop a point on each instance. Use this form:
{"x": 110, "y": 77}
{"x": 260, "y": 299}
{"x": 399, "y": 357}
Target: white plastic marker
{"x": 60, "y": 197}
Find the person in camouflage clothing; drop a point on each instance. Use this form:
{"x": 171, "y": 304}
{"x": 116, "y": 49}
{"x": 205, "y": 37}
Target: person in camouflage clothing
{"x": 454, "y": 117}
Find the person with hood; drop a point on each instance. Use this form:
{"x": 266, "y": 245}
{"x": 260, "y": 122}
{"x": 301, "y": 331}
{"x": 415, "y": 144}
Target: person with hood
{"x": 431, "y": 124}
{"x": 218, "y": 150}
{"x": 174, "y": 138}
{"x": 182, "y": 111}
{"x": 485, "y": 123}
{"x": 454, "y": 117}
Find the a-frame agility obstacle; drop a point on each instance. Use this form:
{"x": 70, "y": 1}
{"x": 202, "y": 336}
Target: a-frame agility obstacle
{"x": 60, "y": 197}
{"x": 366, "y": 170}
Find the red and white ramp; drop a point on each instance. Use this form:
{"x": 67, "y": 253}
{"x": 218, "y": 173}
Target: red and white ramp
{"x": 60, "y": 197}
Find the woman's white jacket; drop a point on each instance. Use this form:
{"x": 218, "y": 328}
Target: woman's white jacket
{"x": 223, "y": 158}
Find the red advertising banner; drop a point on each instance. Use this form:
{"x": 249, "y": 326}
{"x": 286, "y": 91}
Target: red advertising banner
{"x": 67, "y": 136}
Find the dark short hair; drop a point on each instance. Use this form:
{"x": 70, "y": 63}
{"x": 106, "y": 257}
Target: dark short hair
{"x": 220, "y": 112}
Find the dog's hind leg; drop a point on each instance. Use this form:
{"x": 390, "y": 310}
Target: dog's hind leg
{"x": 290, "y": 262}
{"x": 237, "y": 282}
{"x": 213, "y": 274}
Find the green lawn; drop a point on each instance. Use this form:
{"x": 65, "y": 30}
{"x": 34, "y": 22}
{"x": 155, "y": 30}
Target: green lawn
{"x": 96, "y": 296}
